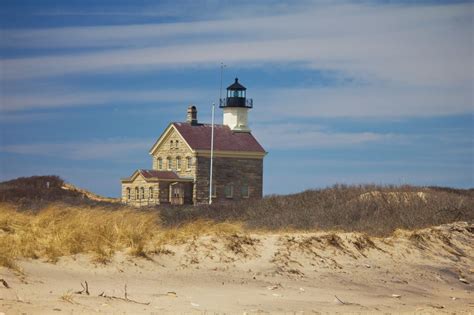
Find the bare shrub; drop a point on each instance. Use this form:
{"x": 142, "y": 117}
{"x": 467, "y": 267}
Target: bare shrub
{"x": 375, "y": 210}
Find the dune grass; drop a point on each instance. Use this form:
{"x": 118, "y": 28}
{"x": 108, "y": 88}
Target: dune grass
{"x": 61, "y": 230}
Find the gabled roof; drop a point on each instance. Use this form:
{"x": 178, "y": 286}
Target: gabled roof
{"x": 198, "y": 137}
{"x": 152, "y": 175}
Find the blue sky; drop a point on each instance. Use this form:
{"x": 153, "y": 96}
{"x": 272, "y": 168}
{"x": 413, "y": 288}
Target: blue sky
{"x": 344, "y": 91}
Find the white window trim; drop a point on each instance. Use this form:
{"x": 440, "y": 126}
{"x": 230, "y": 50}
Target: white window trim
{"x": 189, "y": 162}
{"x": 178, "y": 165}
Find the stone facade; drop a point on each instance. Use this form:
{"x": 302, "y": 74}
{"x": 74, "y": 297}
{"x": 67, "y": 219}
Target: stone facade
{"x": 173, "y": 148}
{"x": 240, "y": 173}
{"x": 140, "y": 192}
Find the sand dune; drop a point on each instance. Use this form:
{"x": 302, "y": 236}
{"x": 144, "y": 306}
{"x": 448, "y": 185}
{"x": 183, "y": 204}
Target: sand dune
{"x": 427, "y": 271}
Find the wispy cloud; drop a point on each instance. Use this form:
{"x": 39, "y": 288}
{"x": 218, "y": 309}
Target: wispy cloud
{"x": 309, "y": 136}
{"x": 362, "y": 102}
{"x": 422, "y": 45}
{"x": 96, "y": 149}
{"x": 57, "y": 97}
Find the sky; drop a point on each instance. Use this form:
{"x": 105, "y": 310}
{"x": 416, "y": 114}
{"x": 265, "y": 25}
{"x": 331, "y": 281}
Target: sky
{"x": 344, "y": 92}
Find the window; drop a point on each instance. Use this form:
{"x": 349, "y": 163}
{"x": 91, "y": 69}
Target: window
{"x": 245, "y": 191}
{"x": 176, "y": 144}
{"x": 214, "y": 191}
{"x": 169, "y": 163}
{"x": 160, "y": 164}
{"x": 229, "y": 191}
{"x": 128, "y": 193}
{"x": 189, "y": 162}
{"x": 178, "y": 163}
{"x": 137, "y": 196}
{"x": 150, "y": 194}
{"x": 143, "y": 193}
{"x": 171, "y": 144}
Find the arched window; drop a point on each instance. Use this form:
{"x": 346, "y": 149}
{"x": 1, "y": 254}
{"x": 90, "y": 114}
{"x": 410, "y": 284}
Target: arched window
{"x": 189, "y": 162}
{"x": 150, "y": 193}
{"x": 171, "y": 144}
{"x": 178, "y": 163}
{"x": 168, "y": 160}
{"x": 128, "y": 193}
{"x": 160, "y": 163}
{"x": 137, "y": 195}
{"x": 143, "y": 193}
{"x": 176, "y": 144}
{"x": 229, "y": 190}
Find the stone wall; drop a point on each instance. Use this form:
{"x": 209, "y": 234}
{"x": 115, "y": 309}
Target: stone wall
{"x": 181, "y": 150}
{"x": 140, "y": 182}
{"x": 235, "y": 171}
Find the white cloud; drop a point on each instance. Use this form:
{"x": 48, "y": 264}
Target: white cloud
{"x": 361, "y": 102}
{"x": 82, "y": 150}
{"x": 57, "y": 97}
{"x": 308, "y": 136}
{"x": 420, "y": 45}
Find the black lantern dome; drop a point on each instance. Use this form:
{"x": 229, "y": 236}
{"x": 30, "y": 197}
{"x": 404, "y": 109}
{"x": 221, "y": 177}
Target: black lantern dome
{"x": 236, "y": 96}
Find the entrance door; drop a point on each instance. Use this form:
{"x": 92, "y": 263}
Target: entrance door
{"x": 176, "y": 194}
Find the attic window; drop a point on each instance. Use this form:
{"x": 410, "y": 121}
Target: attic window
{"x": 176, "y": 144}
{"x": 171, "y": 144}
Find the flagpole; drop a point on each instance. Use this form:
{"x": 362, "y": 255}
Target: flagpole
{"x": 212, "y": 153}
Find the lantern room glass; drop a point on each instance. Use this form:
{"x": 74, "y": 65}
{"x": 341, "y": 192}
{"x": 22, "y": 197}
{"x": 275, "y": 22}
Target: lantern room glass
{"x": 234, "y": 93}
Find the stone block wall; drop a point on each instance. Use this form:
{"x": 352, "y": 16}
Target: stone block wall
{"x": 235, "y": 171}
{"x": 178, "y": 149}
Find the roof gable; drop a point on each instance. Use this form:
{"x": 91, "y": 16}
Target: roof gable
{"x": 152, "y": 175}
{"x": 168, "y": 131}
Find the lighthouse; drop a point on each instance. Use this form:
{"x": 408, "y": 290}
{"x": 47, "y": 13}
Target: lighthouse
{"x": 236, "y": 107}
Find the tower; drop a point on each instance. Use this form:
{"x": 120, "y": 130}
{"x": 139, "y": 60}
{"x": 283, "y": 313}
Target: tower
{"x": 236, "y": 107}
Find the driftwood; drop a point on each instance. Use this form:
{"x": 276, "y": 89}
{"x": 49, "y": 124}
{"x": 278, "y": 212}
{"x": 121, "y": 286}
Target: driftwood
{"x": 85, "y": 289}
{"x": 125, "y": 298}
{"x": 344, "y": 303}
{"x": 5, "y": 283}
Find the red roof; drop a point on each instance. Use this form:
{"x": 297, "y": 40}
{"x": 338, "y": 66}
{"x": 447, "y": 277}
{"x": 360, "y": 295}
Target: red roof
{"x": 149, "y": 174}
{"x": 199, "y": 138}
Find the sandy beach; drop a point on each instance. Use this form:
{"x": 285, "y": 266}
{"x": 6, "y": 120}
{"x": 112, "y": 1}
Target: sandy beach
{"x": 426, "y": 272}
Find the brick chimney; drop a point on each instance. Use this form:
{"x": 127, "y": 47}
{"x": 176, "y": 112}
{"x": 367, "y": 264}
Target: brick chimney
{"x": 191, "y": 117}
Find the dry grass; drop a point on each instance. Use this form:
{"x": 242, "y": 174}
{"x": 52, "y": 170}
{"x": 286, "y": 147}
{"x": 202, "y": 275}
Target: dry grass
{"x": 370, "y": 209}
{"x": 61, "y": 230}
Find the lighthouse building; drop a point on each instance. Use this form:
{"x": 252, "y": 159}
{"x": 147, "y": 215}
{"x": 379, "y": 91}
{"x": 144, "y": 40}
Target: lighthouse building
{"x": 181, "y": 159}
